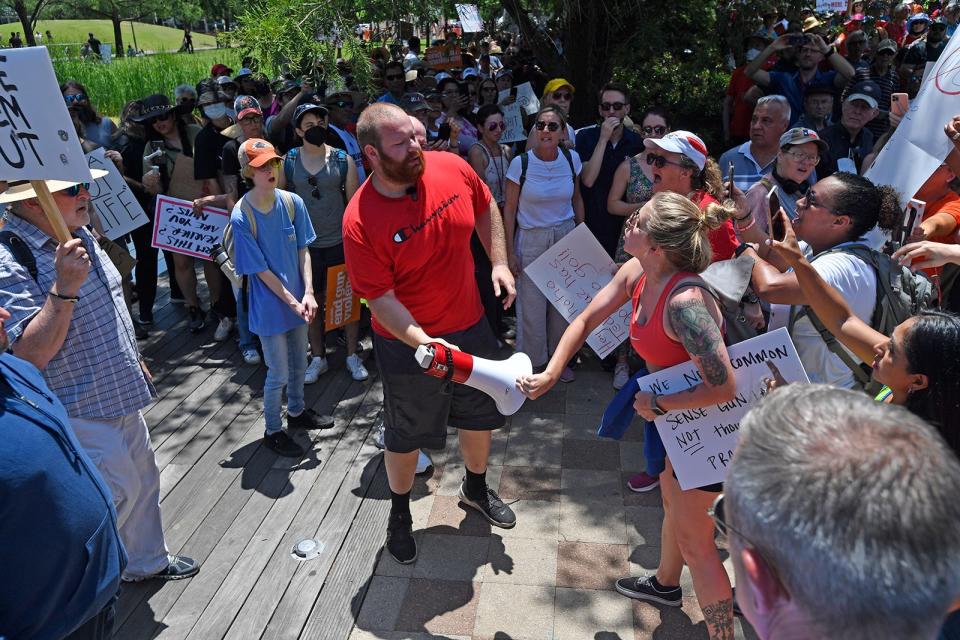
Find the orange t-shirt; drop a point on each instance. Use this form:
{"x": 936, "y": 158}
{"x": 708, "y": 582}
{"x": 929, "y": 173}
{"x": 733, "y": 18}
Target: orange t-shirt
{"x": 949, "y": 204}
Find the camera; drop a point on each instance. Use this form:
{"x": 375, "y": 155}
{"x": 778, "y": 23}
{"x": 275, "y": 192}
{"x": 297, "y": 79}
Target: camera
{"x": 219, "y": 255}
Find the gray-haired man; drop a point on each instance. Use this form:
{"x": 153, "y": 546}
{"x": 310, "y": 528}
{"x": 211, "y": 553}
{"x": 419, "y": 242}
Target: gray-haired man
{"x": 752, "y": 160}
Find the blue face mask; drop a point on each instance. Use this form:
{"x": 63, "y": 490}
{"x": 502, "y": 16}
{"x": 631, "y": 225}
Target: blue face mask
{"x": 215, "y": 111}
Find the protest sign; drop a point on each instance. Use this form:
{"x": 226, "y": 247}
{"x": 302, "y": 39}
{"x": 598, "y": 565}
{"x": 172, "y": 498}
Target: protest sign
{"x": 569, "y": 274}
{"x": 526, "y": 97}
{"x": 513, "y": 119}
{"x": 918, "y": 146}
{"x": 700, "y": 442}
{"x": 443, "y": 57}
{"x": 116, "y": 206}
{"x": 342, "y": 307}
{"x": 176, "y": 228}
{"x": 470, "y": 18}
{"x": 37, "y": 137}
{"x": 831, "y": 6}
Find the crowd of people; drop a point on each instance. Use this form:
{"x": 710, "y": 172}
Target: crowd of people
{"x": 840, "y": 510}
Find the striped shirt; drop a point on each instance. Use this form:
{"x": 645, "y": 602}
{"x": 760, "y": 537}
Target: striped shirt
{"x": 96, "y": 373}
{"x": 747, "y": 171}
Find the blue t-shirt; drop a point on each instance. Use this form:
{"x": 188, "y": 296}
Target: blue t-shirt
{"x": 794, "y": 90}
{"x": 275, "y": 248}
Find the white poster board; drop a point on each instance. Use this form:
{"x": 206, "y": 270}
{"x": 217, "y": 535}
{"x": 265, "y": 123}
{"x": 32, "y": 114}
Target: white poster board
{"x": 116, "y": 206}
{"x": 513, "y": 119}
{"x": 918, "y": 145}
{"x": 470, "y": 19}
{"x": 37, "y": 137}
{"x": 176, "y": 228}
{"x": 526, "y": 98}
{"x": 569, "y": 274}
{"x": 831, "y": 6}
{"x": 700, "y": 442}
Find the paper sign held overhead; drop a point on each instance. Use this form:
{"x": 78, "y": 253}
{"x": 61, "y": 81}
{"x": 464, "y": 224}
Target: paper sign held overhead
{"x": 700, "y": 442}
{"x": 116, "y": 206}
{"x": 513, "y": 119}
{"x": 526, "y": 98}
{"x": 37, "y": 137}
{"x": 569, "y": 274}
{"x": 342, "y": 307}
{"x": 470, "y": 19}
{"x": 176, "y": 228}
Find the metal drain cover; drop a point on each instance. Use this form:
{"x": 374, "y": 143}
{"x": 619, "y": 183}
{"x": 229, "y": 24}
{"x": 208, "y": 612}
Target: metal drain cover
{"x": 306, "y": 550}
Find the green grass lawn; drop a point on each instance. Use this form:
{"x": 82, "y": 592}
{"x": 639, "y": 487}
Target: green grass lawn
{"x": 150, "y": 37}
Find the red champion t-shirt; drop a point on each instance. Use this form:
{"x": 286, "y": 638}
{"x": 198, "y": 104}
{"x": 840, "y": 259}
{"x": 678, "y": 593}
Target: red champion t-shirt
{"x": 420, "y": 247}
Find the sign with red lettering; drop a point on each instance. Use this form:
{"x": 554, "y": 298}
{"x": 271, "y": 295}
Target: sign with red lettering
{"x": 176, "y": 229}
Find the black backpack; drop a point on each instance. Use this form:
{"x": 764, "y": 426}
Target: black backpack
{"x": 525, "y": 160}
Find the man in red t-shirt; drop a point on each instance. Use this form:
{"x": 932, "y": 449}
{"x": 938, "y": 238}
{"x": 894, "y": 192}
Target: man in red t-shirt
{"x": 406, "y": 238}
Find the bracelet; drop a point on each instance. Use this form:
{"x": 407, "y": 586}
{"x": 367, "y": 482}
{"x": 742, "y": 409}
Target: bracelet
{"x": 741, "y": 249}
{"x": 748, "y": 227}
{"x": 73, "y": 299}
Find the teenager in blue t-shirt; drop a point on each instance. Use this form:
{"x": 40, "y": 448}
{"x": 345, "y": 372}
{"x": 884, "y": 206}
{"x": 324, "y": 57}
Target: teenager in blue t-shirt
{"x": 271, "y": 231}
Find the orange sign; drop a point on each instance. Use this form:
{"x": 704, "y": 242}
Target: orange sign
{"x": 443, "y": 58}
{"x": 342, "y": 307}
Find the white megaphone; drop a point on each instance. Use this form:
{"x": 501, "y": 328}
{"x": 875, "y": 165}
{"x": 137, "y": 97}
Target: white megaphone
{"x": 496, "y": 378}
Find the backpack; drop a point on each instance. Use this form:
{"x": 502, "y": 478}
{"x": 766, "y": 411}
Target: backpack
{"x": 525, "y": 160}
{"x": 901, "y": 293}
{"x": 21, "y": 252}
{"x": 247, "y": 210}
{"x": 290, "y": 163}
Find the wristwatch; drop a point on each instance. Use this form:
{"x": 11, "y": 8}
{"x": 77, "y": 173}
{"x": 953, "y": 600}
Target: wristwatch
{"x": 655, "y": 407}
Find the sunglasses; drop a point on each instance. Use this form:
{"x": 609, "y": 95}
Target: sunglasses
{"x": 493, "y": 126}
{"x": 392, "y": 78}
{"x": 163, "y": 118}
{"x": 80, "y": 97}
{"x": 312, "y": 181}
{"x": 549, "y": 126}
{"x": 659, "y": 161}
{"x": 612, "y": 106}
{"x": 658, "y": 130}
{"x": 74, "y": 190}
{"x": 343, "y": 104}
{"x": 562, "y": 95}
{"x": 810, "y": 200}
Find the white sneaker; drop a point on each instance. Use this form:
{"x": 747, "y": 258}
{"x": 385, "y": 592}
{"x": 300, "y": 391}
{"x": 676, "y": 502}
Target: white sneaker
{"x": 621, "y": 375}
{"x": 223, "y": 329}
{"x": 317, "y": 367}
{"x": 424, "y": 463}
{"x": 250, "y": 356}
{"x": 357, "y": 370}
{"x": 378, "y": 436}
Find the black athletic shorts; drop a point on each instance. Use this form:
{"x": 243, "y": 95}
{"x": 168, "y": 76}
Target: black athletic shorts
{"x": 320, "y": 261}
{"x": 417, "y": 408}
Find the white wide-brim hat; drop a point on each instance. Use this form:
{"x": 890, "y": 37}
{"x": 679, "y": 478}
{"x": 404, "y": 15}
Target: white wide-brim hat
{"x": 22, "y": 189}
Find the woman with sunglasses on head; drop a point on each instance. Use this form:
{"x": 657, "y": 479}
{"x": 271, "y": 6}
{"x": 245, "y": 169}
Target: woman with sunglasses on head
{"x": 543, "y": 204}
{"x": 673, "y": 320}
{"x": 96, "y": 128}
{"x": 457, "y": 108}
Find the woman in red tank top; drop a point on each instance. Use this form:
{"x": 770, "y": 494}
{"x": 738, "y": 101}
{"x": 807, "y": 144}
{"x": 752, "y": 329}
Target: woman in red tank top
{"x": 674, "y": 320}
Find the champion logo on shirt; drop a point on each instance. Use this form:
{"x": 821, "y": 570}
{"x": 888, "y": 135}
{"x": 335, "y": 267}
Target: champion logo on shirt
{"x": 405, "y": 233}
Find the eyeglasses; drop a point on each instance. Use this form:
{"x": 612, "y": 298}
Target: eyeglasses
{"x": 549, "y": 126}
{"x": 74, "y": 190}
{"x": 162, "y": 118}
{"x": 886, "y": 52}
{"x": 717, "y": 512}
{"x": 270, "y": 165}
{"x": 393, "y": 78}
{"x": 312, "y": 181}
{"x": 660, "y": 161}
{"x": 493, "y": 126}
{"x": 562, "y": 95}
{"x": 658, "y": 130}
{"x": 343, "y": 104}
{"x": 80, "y": 97}
{"x": 799, "y": 156}
{"x": 614, "y": 106}
{"x": 251, "y": 120}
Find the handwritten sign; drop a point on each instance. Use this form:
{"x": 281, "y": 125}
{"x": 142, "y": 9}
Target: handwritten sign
{"x": 443, "y": 57}
{"x": 831, "y": 6}
{"x": 342, "y": 307}
{"x": 569, "y": 274}
{"x": 513, "y": 119}
{"x": 116, "y": 206}
{"x": 176, "y": 228}
{"x": 470, "y": 18}
{"x": 700, "y": 442}
{"x": 37, "y": 138}
{"x": 526, "y": 98}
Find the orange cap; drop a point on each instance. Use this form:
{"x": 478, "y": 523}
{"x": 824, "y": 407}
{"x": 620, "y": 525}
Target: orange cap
{"x": 256, "y": 153}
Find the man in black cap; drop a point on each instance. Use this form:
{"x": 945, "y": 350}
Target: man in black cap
{"x": 881, "y": 71}
{"x": 850, "y": 141}
{"x": 289, "y": 95}
{"x": 817, "y": 107}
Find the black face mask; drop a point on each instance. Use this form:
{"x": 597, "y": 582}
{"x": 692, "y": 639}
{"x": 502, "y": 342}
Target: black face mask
{"x": 316, "y": 135}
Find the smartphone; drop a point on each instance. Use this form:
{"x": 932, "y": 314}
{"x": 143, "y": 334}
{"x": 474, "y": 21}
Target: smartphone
{"x": 777, "y": 231}
{"x": 730, "y": 181}
{"x": 443, "y": 133}
{"x": 797, "y": 40}
{"x": 899, "y": 104}
{"x": 912, "y": 217}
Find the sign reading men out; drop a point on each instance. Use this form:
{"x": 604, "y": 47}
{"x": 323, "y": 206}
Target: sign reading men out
{"x": 37, "y": 137}
{"x": 700, "y": 442}
{"x": 176, "y": 228}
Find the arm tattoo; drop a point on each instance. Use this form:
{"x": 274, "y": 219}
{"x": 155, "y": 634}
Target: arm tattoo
{"x": 719, "y": 619}
{"x": 701, "y": 337}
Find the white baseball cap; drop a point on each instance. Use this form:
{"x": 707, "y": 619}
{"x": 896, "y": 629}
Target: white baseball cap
{"x": 685, "y": 142}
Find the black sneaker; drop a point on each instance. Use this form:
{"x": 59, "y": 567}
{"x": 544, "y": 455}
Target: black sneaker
{"x": 400, "y": 543}
{"x": 197, "y": 323}
{"x": 140, "y": 331}
{"x": 642, "y": 589}
{"x": 309, "y": 419}
{"x": 283, "y": 445}
{"x": 490, "y": 507}
{"x": 178, "y": 568}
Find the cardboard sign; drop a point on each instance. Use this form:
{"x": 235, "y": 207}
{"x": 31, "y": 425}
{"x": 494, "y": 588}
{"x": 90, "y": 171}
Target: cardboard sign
{"x": 918, "y": 145}
{"x": 513, "y": 119}
{"x": 526, "y": 98}
{"x": 569, "y": 274}
{"x": 116, "y": 206}
{"x": 176, "y": 228}
{"x": 700, "y": 442}
{"x": 443, "y": 58}
{"x": 470, "y": 18}
{"x": 342, "y": 307}
{"x": 37, "y": 138}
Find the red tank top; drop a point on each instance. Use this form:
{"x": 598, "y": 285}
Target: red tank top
{"x": 650, "y": 340}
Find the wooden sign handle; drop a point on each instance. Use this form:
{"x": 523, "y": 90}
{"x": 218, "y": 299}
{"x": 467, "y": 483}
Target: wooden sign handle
{"x": 51, "y": 210}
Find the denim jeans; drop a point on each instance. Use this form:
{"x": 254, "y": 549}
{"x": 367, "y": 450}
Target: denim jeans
{"x": 286, "y": 358}
{"x": 247, "y": 339}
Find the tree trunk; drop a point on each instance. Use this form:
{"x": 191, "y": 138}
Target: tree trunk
{"x": 117, "y": 35}
{"x": 589, "y": 63}
{"x": 21, "y": 9}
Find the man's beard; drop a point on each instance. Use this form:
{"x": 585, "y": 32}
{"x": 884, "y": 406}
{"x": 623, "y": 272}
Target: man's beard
{"x": 402, "y": 172}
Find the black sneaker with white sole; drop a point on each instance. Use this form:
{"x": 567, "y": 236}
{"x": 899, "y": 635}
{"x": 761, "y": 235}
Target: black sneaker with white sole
{"x": 283, "y": 445}
{"x": 490, "y": 507}
{"x": 642, "y": 588}
{"x": 400, "y": 542}
{"x": 310, "y": 419}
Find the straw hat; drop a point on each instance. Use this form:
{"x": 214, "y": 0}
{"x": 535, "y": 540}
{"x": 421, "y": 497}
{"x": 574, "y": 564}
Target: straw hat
{"x": 18, "y": 190}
